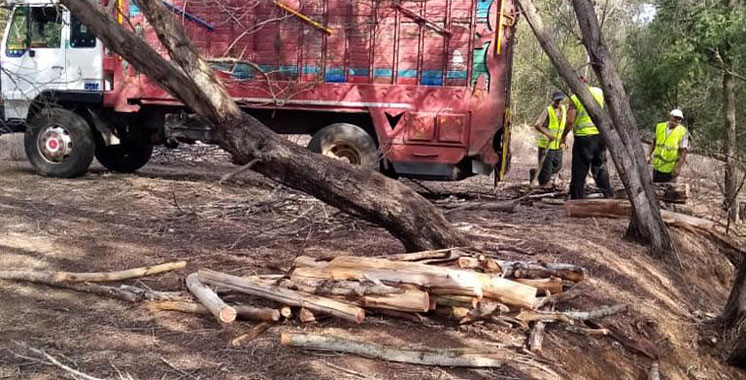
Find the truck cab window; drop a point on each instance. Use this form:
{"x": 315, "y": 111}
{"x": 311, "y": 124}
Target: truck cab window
{"x": 18, "y": 34}
{"x": 80, "y": 36}
{"x": 45, "y": 27}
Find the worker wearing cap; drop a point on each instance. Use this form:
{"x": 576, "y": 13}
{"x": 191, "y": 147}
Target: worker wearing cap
{"x": 589, "y": 149}
{"x": 669, "y": 148}
{"x": 550, "y": 125}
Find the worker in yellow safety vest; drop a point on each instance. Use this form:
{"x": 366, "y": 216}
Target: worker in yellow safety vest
{"x": 669, "y": 148}
{"x": 589, "y": 149}
{"x": 550, "y": 126}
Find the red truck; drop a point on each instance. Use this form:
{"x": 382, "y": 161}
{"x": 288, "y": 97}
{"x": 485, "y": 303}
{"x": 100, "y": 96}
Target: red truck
{"x": 413, "y": 88}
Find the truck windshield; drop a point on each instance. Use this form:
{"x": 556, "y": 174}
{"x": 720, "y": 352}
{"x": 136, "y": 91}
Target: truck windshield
{"x": 36, "y": 27}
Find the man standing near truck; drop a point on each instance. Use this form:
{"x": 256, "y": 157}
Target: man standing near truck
{"x": 550, "y": 126}
{"x": 669, "y": 148}
{"x": 589, "y": 149}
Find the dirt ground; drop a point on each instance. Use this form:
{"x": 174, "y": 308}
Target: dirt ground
{"x": 175, "y": 209}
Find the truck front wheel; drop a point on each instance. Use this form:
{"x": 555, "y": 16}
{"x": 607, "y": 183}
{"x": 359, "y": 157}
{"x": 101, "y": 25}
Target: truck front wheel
{"x": 125, "y": 158}
{"x": 346, "y": 142}
{"x": 59, "y": 143}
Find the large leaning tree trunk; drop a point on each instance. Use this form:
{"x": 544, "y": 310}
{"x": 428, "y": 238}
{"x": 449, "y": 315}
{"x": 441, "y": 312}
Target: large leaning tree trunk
{"x": 734, "y": 319}
{"x": 731, "y": 183}
{"x": 621, "y": 135}
{"x": 188, "y": 77}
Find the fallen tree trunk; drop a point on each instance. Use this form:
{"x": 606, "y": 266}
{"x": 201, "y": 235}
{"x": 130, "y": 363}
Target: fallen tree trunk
{"x": 445, "y": 357}
{"x": 289, "y": 297}
{"x": 613, "y": 208}
{"x": 242, "y": 311}
{"x": 416, "y": 222}
{"x": 210, "y": 300}
{"x": 57, "y": 277}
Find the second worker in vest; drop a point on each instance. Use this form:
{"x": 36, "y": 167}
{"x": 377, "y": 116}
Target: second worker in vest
{"x": 589, "y": 149}
{"x": 669, "y": 148}
{"x": 550, "y": 126}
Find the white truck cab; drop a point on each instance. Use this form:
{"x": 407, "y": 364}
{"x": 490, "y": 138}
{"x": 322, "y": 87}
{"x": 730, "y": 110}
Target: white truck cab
{"x": 52, "y": 87}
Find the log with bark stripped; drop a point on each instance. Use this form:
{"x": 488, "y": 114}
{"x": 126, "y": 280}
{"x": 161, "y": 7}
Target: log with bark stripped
{"x": 57, "y": 277}
{"x": 444, "y": 357}
{"x": 524, "y": 269}
{"x": 285, "y": 296}
{"x": 210, "y": 300}
{"x": 613, "y": 208}
{"x": 242, "y": 311}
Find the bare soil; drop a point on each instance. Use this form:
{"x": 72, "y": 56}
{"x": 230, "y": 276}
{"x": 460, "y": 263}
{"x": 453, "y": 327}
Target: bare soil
{"x": 174, "y": 209}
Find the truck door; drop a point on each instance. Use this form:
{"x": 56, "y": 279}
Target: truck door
{"x": 84, "y": 56}
{"x": 33, "y": 57}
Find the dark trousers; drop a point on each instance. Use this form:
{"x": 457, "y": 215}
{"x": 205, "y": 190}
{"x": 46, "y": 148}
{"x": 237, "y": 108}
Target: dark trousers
{"x": 552, "y": 164}
{"x": 589, "y": 152}
{"x": 660, "y": 177}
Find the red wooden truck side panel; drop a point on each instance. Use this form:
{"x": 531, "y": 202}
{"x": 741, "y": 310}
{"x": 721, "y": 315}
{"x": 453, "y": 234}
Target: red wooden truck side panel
{"x": 435, "y": 63}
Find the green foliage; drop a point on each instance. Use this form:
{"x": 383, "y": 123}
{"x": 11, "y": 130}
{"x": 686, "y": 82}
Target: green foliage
{"x": 679, "y": 62}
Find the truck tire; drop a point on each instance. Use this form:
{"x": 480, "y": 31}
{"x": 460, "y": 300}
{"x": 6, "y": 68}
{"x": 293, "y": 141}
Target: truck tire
{"x": 125, "y": 158}
{"x": 59, "y": 143}
{"x": 346, "y": 142}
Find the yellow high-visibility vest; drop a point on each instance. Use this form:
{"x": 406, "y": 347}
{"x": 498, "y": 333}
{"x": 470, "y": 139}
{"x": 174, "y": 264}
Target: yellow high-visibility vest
{"x": 556, "y": 126}
{"x": 666, "y": 152}
{"x": 583, "y": 124}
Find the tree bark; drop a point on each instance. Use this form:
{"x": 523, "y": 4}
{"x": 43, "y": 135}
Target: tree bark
{"x": 621, "y": 137}
{"x": 368, "y": 195}
{"x": 731, "y": 182}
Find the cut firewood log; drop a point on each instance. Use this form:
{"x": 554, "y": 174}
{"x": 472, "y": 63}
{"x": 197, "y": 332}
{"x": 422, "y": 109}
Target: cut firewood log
{"x": 306, "y": 315}
{"x": 411, "y": 300}
{"x": 485, "y": 264}
{"x": 536, "y": 338}
{"x": 56, "y": 277}
{"x": 438, "y": 280}
{"x": 344, "y": 288}
{"x": 614, "y": 208}
{"x": 285, "y": 296}
{"x": 443, "y": 357}
{"x": 210, "y": 300}
{"x": 526, "y": 269}
{"x": 242, "y": 311}
{"x": 452, "y": 312}
{"x": 551, "y": 285}
{"x": 460, "y": 301}
{"x": 286, "y": 312}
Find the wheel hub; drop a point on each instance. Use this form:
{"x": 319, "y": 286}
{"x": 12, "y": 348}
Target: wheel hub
{"x": 344, "y": 152}
{"x": 55, "y": 143}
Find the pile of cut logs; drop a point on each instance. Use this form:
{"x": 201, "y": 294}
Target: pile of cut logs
{"x": 446, "y": 283}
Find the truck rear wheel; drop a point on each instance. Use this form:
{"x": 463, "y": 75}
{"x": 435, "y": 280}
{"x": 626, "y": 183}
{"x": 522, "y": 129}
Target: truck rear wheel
{"x": 59, "y": 143}
{"x": 346, "y": 142}
{"x": 125, "y": 158}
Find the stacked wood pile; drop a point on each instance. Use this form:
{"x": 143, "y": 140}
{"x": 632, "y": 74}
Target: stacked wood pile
{"x": 450, "y": 284}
